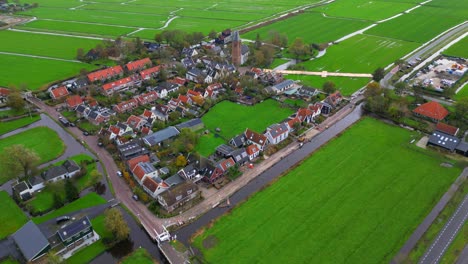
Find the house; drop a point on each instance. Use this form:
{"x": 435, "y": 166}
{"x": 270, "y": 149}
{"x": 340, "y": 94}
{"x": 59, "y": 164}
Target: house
{"x": 31, "y": 241}
{"x": 132, "y": 149}
{"x": 240, "y": 156}
{"x": 307, "y": 91}
{"x": 334, "y": 99}
{"x": 4, "y": 92}
{"x": 224, "y": 150}
{"x": 226, "y": 164}
{"x": 174, "y": 103}
{"x": 119, "y": 129}
{"x": 195, "y": 97}
{"x": 131, "y": 163}
{"x": 253, "y": 151}
{"x": 59, "y": 92}
{"x": 178, "y": 81}
{"x": 212, "y": 90}
{"x": 462, "y": 148}
{"x": 193, "y": 124}
{"x": 277, "y": 133}
{"x": 447, "y": 129}
{"x": 191, "y": 172}
{"x": 147, "y": 98}
{"x": 442, "y": 140}
{"x": 188, "y": 63}
{"x": 68, "y": 169}
{"x": 292, "y": 122}
{"x": 184, "y": 99}
{"x": 165, "y": 88}
{"x": 431, "y": 110}
{"x": 198, "y": 76}
{"x": 154, "y": 186}
{"x": 305, "y": 115}
{"x": 283, "y": 86}
{"x": 75, "y": 233}
{"x": 178, "y": 195}
{"x": 256, "y": 138}
{"x": 200, "y": 168}
{"x": 119, "y": 85}
{"x": 22, "y": 190}
{"x": 138, "y": 64}
{"x": 161, "y": 112}
{"x": 316, "y": 110}
{"x": 189, "y": 52}
{"x": 126, "y": 106}
{"x": 245, "y": 51}
{"x": 136, "y": 122}
{"x": 95, "y": 118}
{"x": 73, "y": 101}
{"x": 161, "y": 137}
{"x": 150, "y": 73}
{"x": 238, "y": 141}
{"x": 143, "y": 170}
{"x": 326, "y": 108}
{"x": 105, "y": 74}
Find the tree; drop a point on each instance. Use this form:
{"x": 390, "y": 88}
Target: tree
{"x": 461, "y": 109}
{"x": 400, "y": 87}
{"x": 80, "y": 54}
{"x": 298, "y": 49}
{"x": 181, "y": 161}
{"x": 17, "y": 160}
{"x": 71, "y": 192}
{"x": 212, "y": 34}
{"x": 57, "y": 201}
{"x": 162, "y": 75}
{"x": 94, "y": 177}
{"x": 378, "y": 74}
{"x": 15, "y": 100}
{"x": 116, "y": 224}
{"x": 174, "y": 115}
{"x": 258, "y": 41}
{"x": 329, "y": 87}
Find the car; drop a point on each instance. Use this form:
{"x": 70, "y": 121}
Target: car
{"x": 100, "y": 144}
{"x": 62, "y": 219}
{"x": 85, "y": 133}
{"x": 72, "y": 124}
{"x": 135, "y": 197}
{"x": 119, "y": 173}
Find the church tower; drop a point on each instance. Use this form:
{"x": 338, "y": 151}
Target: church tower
{"x": 236, "y": 49}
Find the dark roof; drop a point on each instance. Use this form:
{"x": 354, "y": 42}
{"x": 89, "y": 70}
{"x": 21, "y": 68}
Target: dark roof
{"x": 35, "y": 180}
{"x": 160, "y": 136}
{"x": 282, "y": 85}
{"x": 30, "y": 240}
{"x": 277, "y": 129}
{"x": 183, "y": 189}
{"x": 22, "y": 186}
{"x": 443, "y": 140}
{"x": 80, "y": 108}
{"x": 132, "y": 148}
{"x": 189, "y": 124}
{"x": 174, "y": 180}
{"x": 240, "y": 155}
{"x": 74, "y": 228}
{"x": 238, "y": 140}
{"x": 54, "y": 172}
{"x": 463, "y": 146}
{"x": 224, "y": 149}
{"x": 70, "y": 166}
{"x": 244, "y": 49}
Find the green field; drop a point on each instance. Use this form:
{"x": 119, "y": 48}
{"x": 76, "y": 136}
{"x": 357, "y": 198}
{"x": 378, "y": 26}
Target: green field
{"x": 234, "y": 118}
{"x": 12, "y": 217}
{"x": 458, "y": 49}
{"x": 346, "y": 85}
{"x": 356, "y": 200}
{"x": 43, "y": 140}
{"x": 364, "y": 9}
{"x": 207, "y": 144}
{"x": 35, "y": 72}
{"x": 361, "y": 54}
{"x": 462, "y": 93}
{"x": 89, "y": 200}
{"x": 140, "y": 256}
{"x": 9, "y": 126}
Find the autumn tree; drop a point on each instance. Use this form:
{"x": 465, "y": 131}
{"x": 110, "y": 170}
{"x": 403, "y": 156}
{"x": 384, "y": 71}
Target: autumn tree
{"x": 18, "y": 161}
{"x": 461, "y": 109}
{"x": 329, "y": 87}
{"x": 212, "y": 34}
{"x": 115, "y": 223}
{"x": 181, "y": 161}
{"x": 298, "y": 49}
{"x": 15, "y": 100}
{"x": 94, "y": 177}
{"x": 378, "y": 74}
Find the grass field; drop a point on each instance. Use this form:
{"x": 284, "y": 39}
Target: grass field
{"x": 234, "y": 118}
{"x": 459, "y": 49}
{"x": 356, "y": 200}
{"x": 43, "y": 140}
{"x": 89, "y": 200}
{"x": 35, "y": 72}
{"x": 9, "y": 126}
{"x": 462, "y": 93}
{"x": 311, "y": 27}
{"x": 12, "y": 217}
{"x": 361, "y": 54}
{"x": 346, "y": 85}
{"x": 207, "y": 144}
{"x": 140, "y": 256}
{"x": 9, "y": 261}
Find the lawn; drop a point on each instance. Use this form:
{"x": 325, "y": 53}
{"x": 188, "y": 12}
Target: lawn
{"x": 140, "y": 256}
{"x": 361, "y": 54}
{"x": 234, "y": 118}
{"x": 277, "y": 62}
{"x": 8, "y": 126}
{"x": 43, "y": 140}
{"x": 207, "y": 144}
{"x": 346, "y": 85}
{"x": 462, "y": 93}
{"x": 458, "y": 49}
{"x": 311, "y": 27}
{"x": 44, "y": 45}
{"x": 89, "y": 200}
{"x": 36, "y": 73}
{"x": 12, "y": 217}
{"x": 356, "y": 200}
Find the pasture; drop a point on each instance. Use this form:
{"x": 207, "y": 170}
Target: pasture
{"x": 361, "y": 54}
{"x": 356, "y": 200}
{"x": 458, "y": 49}
{"x": 36, "y": 73}
{"x": 346, "y": 85}
{"x": 311, "y": 27}
{"x": 9, "y": 126}
{"x": 12, "y": 217}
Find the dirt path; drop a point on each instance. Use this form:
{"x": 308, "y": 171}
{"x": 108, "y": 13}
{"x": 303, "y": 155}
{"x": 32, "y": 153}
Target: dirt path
{"x": 323, "y": 73}
{"x": 39, "y": 57}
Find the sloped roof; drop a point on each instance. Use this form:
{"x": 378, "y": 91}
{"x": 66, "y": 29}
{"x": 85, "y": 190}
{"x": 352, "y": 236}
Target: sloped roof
{"x": 30, "y": 240}
{"x": 74, "y": 100}
{"x": 161, "y": 135}
{"x": 105, "y": 73}
{"x": 451, "y": 130}
{"x": 148, "y": 72}
{"x": 111, "y": 85}
{"x": 255, "y": 137}
{"x": 133, "y": 162}
{"x": 432, "y": 110}
{"x": 138, "y": 64}
{"x": 60, "y": 92}
{"x": 74, "y": 228}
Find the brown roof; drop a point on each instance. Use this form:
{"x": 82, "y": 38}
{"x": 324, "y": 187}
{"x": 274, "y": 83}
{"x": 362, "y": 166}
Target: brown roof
{"x": 4, "y": 91}
{"x": 226, "y": 164}
{"x": 184, "y": 189}
{"x": 255, "y": 137}
{"x": 152, "y": 185}
{"x": 448, "y": 129}
{"x": 133, "y": 162}
{"x": 59, "y": 92}
{"x": 105, "y": 73}
{"x": 432, "y": 110}
{"x": 139, "y": 64}
{"x": 74, "y": 100}
{"x": 252, "y": 149}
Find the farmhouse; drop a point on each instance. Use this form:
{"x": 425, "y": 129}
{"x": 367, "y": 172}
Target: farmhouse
{"x": 138, "y": 65}
{"x": 105, "y": 74}
{"x": 59, "y": 92}
{"x": 178, "y": 195}
{"x": 432, "y": 111}
{"x": 161, "y": 137}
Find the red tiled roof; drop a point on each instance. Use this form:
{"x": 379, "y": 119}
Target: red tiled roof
{"x": 133, "y": 162}
{"x": 448, "y": 129}
{"x": 302, "y": 113}
{"x": 151, "y": 184}
{"x": 432, "y": 110}
{"x": 293, "y": 121}
{"x": 4, "y": 91}
{"x": 315, "y": 108}
{"x": 59, "y": 92}
{"x": 214, "y": 86}
{"x": 120, "y": 82}
{"x": 252, "y": 149}
{"x": 255, "y": 137}
{"x": 126, "y": 105}
{"x": 192, "y": 93}
{"x": 227, "y": 163}
{"x": 133, "y": 121}
{"x": 105, "y": 73}
{"x": 184, "y": 99}
{"x": 114, "y": 129}
{"x": 139, "y": 64}
{"x": 147, "y": 113}
{"x": 149, "y": 72}
{"x": 138, "y": 171}
{"x": 74, "y": 100}
{"x": 147, "y": 97}
{"x": 178, "y": 80}
{"x": 145, "y": 130}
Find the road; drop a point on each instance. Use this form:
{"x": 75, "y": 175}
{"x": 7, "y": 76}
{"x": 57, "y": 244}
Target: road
{"x": 443, "y": 240}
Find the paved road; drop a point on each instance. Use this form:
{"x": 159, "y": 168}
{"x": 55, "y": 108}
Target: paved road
{"x": 446, "y": 235}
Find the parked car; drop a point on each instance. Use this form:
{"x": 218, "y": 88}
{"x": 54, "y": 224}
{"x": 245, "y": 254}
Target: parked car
{"x": 135, "y": 197}
{"x": 62, "y": 219}
{"x": 119, "y": 173}
{"x": 85, "y": 133}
